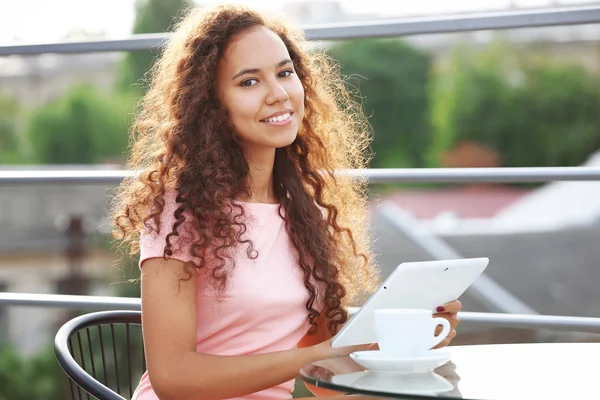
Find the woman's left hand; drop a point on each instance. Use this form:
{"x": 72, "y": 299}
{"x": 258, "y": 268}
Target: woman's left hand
{"x": 448, "y": 311}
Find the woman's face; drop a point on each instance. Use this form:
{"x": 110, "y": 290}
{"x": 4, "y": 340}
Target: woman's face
{"x": 258, "y": 86}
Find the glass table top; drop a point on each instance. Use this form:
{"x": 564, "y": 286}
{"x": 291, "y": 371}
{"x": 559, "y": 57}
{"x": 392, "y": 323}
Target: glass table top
{"x": 480, "y": 372}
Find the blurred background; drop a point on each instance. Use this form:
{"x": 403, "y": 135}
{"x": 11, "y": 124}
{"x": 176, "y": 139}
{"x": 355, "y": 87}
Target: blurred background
{"x": 526, "y": 97}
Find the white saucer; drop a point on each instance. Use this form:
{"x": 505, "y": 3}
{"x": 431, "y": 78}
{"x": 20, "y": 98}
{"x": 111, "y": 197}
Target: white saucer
{"x": 376, "y": 360}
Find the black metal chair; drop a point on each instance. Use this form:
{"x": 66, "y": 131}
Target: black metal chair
{"x": 102, "y": 353}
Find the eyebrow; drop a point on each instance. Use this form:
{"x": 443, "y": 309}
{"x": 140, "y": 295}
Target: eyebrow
{"x": 257, "y": 70}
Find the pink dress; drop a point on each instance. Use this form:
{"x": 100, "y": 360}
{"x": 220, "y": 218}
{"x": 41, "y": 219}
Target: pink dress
{"x": 264, "y": 306}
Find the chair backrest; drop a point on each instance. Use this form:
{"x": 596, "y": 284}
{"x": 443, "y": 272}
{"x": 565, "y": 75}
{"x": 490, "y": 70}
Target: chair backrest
{"x": 102, "y": 353}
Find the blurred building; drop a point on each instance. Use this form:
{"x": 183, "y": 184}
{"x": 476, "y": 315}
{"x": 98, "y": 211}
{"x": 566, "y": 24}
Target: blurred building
{"x": 542, "y": 245}
{"x": 35, "y": 80}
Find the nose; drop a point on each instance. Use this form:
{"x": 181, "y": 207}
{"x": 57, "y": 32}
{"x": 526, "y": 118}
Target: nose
{"x": 277, "y": 93}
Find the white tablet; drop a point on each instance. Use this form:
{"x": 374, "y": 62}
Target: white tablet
{"x": 426, "y": 284}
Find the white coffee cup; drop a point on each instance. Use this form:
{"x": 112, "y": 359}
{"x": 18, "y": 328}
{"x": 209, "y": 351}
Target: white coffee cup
{"x": 407, "y": 333}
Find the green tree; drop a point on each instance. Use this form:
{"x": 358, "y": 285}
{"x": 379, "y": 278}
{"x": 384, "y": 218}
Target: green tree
{"x": 532, "y": 110}
{"x": 152, "y": 16}
{"x": 395, "y": 77}
{"x": 561, "y": 103}
{"x": 84, "y": 126}
{"x": 11, "y": 146}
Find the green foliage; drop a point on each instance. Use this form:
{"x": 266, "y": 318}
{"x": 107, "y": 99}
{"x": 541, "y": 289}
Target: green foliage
{"x": 39, "y": 377}
{"x": 152, "y": 16}
{"x": 392, "y": 78}
{"x": 561, "y": 105}
{"x": 11, "y": 146}
{"x": 84, "y": 126}
{"x": 532, "y": 110}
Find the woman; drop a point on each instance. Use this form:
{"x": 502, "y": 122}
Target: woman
{"x": 250, "y": 247}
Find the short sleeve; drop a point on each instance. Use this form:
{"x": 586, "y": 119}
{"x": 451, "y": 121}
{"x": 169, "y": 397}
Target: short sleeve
{"x": 152, "y": 243}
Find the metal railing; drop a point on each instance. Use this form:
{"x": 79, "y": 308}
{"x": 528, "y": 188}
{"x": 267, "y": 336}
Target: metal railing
{"x": 517, "y": 321}
{"x": 353, "y": 30}
{"x": 379, "y": 175}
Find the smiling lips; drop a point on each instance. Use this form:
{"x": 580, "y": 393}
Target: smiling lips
{"x": 279, "y": 118}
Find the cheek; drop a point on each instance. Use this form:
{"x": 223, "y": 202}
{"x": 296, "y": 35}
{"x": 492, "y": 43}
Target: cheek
{"x": 296, "y": 93}
{"x": 244, "y": 106}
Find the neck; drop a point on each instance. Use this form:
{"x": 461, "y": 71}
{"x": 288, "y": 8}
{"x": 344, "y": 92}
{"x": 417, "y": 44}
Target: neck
{"x": 261, "y": 177}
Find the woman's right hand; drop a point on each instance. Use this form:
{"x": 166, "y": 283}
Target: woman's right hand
{"x": 334, "y": 361}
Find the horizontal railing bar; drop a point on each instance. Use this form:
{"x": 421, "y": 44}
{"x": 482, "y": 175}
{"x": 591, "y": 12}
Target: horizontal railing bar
{"x": 352, "y": 30}
{"x": 20, "y": 177}
{"x": 459, "y": 23}
{"x": 524, "y": 321}
{"x": 377, "y": 175}
{"x": 519, "y": 321}
{"x": 69, "y": 301}
{"x": 131, "y": 43}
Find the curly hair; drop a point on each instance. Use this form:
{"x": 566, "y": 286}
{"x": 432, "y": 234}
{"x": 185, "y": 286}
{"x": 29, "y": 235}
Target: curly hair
{"x": 182, "y": 141}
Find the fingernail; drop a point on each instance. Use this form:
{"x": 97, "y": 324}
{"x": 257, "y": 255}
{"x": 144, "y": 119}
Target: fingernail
{"x": 440, "y": 309}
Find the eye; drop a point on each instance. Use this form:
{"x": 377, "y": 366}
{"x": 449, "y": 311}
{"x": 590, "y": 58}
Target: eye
{"x": 249, "y": 82}
{"x": 285, "y": 73}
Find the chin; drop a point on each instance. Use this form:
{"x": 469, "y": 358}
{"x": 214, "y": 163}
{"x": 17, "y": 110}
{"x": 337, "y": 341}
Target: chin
{"x": 285, "y": 143}
{"x": 283, "y": 140}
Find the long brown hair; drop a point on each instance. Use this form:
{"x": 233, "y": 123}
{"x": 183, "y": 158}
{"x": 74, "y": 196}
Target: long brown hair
{"x": 182, "y": 141}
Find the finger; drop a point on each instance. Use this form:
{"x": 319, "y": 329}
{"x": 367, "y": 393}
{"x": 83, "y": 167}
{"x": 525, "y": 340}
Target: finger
{"x": 453, "y": 325}
{"x": 362, "y": 347}
{"x": 451, "y": 335}
{"x": 447, "y": 340}
{"x": 452, "y": 318}
{"x": 454, "y": 321}
{"x": 451, "y": 307}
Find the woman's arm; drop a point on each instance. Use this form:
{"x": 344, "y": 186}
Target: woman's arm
{"x": 177, "y": 371}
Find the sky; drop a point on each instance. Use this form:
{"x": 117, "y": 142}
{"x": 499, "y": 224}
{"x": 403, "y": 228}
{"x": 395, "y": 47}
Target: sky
{"x": 43, "y": 21}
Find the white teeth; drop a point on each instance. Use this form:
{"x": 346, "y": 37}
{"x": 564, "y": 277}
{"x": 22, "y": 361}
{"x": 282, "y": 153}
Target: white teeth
{"x": 279, "y": 118}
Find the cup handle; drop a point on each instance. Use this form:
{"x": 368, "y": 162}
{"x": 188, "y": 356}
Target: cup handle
{"x": 445, "y": 330}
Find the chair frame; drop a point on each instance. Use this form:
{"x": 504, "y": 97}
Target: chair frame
{"x": 70, "y": 365}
